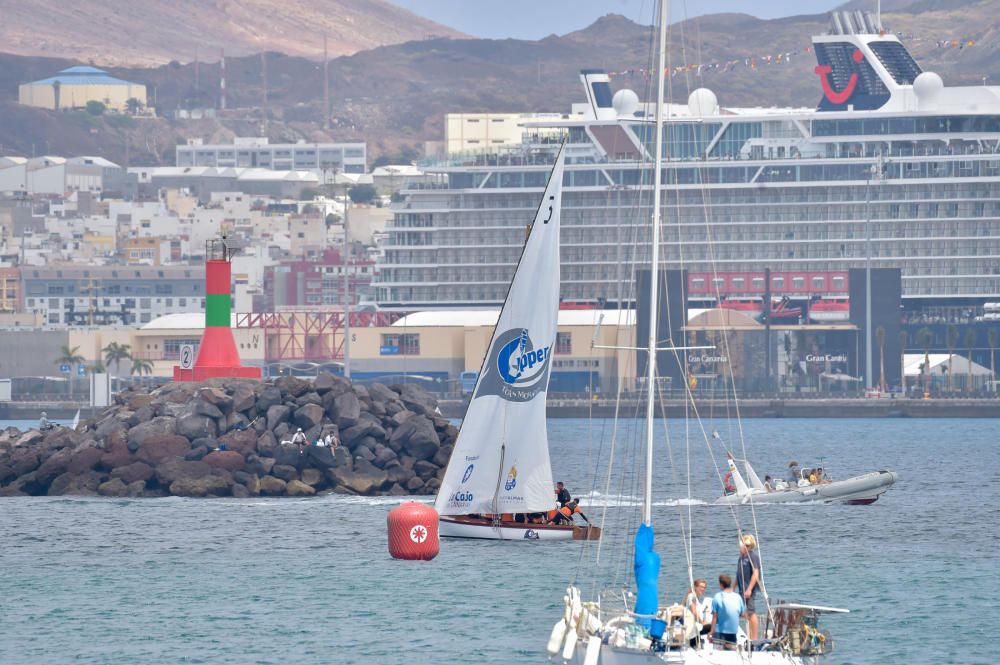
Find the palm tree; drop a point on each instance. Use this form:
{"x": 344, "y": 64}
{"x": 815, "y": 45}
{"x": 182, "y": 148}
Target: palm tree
{"x": 70, "y": 356}
{"x": 951, "y": 341}
{"x": 97, "y": 367}
{"x": 880, "y": 337}
{"x": 140, "y": 367}
{"x": 115, "y": 353}
{"x": 992, "y": 338}
{"x": 903, "y": 340}
{"x": 970, "y": 341}
{"x": 924, "y": 339}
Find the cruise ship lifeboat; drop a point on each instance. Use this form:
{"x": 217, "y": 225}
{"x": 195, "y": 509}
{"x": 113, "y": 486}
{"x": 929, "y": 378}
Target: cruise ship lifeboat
{"x": 750, "y": 306}
{"x": 830, "y": 310}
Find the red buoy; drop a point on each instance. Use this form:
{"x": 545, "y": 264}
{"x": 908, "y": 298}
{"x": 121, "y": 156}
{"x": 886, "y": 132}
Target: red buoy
{"x": 413, "y": 532}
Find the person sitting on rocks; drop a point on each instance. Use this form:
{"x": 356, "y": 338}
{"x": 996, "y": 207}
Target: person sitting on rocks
{"x": 43, "y": 422}
{"x": 299, "y": 439}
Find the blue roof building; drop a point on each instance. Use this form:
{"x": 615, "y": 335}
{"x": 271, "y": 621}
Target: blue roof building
{"x": 74, "y": 87}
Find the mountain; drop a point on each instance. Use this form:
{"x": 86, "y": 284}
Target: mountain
{"x": 395, "y": 96}
{"x": 158, "y": 31}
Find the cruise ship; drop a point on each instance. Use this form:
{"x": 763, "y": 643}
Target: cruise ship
{"x": 892, "y": 166}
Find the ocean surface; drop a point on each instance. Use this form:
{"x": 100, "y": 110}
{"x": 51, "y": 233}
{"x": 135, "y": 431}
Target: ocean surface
{"x": 310, "y": 581}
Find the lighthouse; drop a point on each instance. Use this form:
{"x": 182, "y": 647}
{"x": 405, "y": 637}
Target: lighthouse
{"x": 217, "y": 354}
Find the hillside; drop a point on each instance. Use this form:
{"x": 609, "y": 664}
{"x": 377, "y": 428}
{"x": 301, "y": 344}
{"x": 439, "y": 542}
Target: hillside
{"x": 396, "y": 96}
{"x": 158, "y": 31}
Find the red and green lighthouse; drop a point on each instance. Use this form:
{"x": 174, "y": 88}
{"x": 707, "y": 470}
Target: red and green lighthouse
{"x": 217, "y": 354}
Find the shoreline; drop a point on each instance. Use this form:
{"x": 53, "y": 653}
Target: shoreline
{"x": 773, "y": 408}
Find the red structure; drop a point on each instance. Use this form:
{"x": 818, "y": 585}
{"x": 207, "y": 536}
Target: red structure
{"x": 309, "y": 335}
{"x": 217, "y": 354}
{"x": 413, "y": 532}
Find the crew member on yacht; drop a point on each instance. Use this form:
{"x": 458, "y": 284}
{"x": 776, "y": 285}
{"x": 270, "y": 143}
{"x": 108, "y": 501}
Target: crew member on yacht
{"x": 727, "y": 608}
{"x": 748, "y": 580}
{"x": 562, "y": 494}
{"x": 701, "y": 608}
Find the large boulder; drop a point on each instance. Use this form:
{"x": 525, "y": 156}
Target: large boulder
{"x": 269, "y": 396}
{"x": 56, "y": 465}
{"x": 293, "y": 385}
{"x": 217, "y": 398}
{"x": 194, "y": 426}
{"x": 308, "y": 416}
{"x": 288, "y": 454}
{"x": 320, "y": 457}
{"x": 312, "y": 477}
{"x": 417, "y": 437}
{"x": 311, "y": 397}
{"x": 271, "y": 486}
{"x": 342, "y": 458}
{"x": 113, "y": 487}
{"x": 327, "y": 382}
{"x": 285, "y": 472}
{"x": 347, "y": 408}
{"x": 298, "y": 488}
{"x": 416, "y": 399}
{"x": 23, "y": 460}
{"x": 276, "y": 415}
{"x": 158, "y": 426}
{"x": 244, "y": 399}
{"x": 366, "y": 425}
{"x": 266, "y": 444}
{"x": 380, "y": 392}
{"x": 70, "y": 484}
{"x": 208, "y": 410}
{"x": 174, "y": 468}
{"x": 425, "y": 470}
{"x": 230, "y": 460}
{"x": 210, "y": 485}
{"x": 158, "y": 447}
{"x": 29, "y": 438}
{"x": 364, "y": 479}
{"x": 242, "y": 441}
{"x": 85, "y": 459}
{"x": 134, "y": 472}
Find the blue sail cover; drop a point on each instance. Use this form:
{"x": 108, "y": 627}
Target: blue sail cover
{"x": 647, "y": 572}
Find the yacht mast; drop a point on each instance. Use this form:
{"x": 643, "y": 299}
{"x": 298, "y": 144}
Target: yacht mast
{"x": 654, "y": 272}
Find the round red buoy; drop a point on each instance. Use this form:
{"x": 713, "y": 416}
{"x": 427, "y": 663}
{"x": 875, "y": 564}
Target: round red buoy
{"x": 413, "y": 532}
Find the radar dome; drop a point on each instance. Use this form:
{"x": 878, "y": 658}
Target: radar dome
{"x": 625, "y": 102}
{"x": 927, "y": 86}
{"x": 702, "y": 102}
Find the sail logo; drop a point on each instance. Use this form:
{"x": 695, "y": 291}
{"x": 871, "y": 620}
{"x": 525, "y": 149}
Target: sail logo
{"x": 511, "y": 479}
{"x": 516, "y": 370}
{"x": 468, "y": 472}
{"x": 460, "y": 498}
{"x": 838, "y": 97}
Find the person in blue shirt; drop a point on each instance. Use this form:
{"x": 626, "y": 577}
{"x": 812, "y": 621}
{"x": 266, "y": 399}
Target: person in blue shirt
{"x": 727, "y": 608}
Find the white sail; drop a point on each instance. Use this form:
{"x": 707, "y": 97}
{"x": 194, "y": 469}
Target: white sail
{"x": 501, "y": 459}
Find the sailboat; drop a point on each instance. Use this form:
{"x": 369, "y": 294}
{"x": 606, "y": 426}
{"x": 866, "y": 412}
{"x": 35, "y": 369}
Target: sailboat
{"x": 643, "y": 633}
{"x": 499, "y": 474}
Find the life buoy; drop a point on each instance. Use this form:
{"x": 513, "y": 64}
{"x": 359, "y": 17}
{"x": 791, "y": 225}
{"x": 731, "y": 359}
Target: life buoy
{"x": 727, "y": 482}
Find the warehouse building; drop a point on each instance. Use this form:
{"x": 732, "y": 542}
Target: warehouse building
{"x": 72, "y": 88}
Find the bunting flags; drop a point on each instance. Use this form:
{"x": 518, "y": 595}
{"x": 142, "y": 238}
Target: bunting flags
{"x": 754, "y": 62}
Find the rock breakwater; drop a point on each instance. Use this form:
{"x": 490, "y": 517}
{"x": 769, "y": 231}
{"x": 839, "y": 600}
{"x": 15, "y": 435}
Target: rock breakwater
{"x": 228, "y": 437}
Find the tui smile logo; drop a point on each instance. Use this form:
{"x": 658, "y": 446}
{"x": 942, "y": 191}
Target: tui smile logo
{"x": 841, "y": 96}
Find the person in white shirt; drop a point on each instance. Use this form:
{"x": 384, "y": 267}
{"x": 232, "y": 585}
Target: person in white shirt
{"x": 299, "y": 439}
{"x": 701, "y": 608}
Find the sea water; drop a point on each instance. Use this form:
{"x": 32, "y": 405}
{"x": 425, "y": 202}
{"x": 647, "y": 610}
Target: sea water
{"x": 88, "y": 580}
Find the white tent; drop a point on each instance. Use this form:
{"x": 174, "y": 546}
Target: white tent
{"x": 961, "y": 367}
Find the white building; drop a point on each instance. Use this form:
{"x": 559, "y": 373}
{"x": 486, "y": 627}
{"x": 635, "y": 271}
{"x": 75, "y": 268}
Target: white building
{"x": 319, "y": 158}
{"x": 482, "y": 132}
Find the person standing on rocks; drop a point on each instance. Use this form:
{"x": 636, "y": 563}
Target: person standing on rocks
{"x": 300, "y": 440}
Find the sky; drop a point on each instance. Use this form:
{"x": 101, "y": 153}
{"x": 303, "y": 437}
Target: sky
{"x": 535, "y": 19}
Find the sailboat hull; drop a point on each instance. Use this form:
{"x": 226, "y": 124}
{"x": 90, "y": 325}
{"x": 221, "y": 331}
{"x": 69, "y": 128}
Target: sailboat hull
{"x": 458, "y": 526}
{"x": 861, "y": 490}
{"x": 610, "y": 655}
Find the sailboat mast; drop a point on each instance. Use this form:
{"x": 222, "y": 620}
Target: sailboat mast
{"x": 654, "y": 273}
